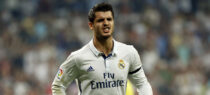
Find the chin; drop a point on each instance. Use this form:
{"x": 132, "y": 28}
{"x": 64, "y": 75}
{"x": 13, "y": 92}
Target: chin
{"x": 105, "y": 37}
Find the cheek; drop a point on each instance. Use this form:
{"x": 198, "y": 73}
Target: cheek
{"x": 97, "y": 27}
{"x": 113, "y": 27}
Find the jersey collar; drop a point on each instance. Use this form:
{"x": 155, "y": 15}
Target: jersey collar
{"x": 98, "y": 53}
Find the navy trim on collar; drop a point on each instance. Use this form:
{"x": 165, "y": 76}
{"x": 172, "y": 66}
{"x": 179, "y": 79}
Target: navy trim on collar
{"x": 98, "y": 53}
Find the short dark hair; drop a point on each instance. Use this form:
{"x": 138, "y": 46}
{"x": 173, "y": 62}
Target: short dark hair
{"x": 99, "y": 7}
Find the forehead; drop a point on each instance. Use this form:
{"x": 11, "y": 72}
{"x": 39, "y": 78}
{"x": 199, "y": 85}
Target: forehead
{"x": 106, "y": 14}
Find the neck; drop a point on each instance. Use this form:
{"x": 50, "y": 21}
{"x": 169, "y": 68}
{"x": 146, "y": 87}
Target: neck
{"x": 103, "y": 45}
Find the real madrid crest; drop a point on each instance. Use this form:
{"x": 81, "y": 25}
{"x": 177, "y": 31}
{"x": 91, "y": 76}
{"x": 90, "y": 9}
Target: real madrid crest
{"x": 121, "y": 64}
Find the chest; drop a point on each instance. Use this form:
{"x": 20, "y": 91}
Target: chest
{"x": 99, "y": 68}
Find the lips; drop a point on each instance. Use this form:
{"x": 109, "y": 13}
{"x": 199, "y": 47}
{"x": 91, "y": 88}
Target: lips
{"x": 106, "y": 29}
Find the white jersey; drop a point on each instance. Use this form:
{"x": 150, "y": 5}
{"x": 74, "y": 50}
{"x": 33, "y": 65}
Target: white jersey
{"x": 97, "y": 74}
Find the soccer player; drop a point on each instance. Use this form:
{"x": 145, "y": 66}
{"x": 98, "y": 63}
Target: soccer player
{"x": 103, "y": 66}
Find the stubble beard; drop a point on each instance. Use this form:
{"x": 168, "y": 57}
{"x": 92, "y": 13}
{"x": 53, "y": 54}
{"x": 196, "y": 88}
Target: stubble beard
{"x": 102, "y": 37}
{"x": 99, "y": 35}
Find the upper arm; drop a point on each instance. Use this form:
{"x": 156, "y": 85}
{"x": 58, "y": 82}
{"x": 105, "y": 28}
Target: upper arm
{"x": 136, "y": 72}
{"x": 66, "y": 74}
{"x": 135, "y": 61}
{"x": 137, "y": 76}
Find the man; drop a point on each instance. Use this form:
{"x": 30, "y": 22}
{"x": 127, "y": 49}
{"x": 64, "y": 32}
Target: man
{"x": 103, "y": 65}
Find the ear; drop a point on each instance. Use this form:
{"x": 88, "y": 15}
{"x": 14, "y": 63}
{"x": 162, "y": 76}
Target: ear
{"x": 90, "y": 24}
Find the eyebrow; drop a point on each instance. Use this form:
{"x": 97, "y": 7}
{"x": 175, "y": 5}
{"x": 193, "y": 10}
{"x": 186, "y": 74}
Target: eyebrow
{"x": 101, "y": 19}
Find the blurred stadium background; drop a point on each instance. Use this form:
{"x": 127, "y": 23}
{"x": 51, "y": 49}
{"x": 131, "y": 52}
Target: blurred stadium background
{"x": 172, "y": 37}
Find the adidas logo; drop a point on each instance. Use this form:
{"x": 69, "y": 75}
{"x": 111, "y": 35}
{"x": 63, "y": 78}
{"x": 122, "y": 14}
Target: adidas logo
{"x": 90, "y": 69}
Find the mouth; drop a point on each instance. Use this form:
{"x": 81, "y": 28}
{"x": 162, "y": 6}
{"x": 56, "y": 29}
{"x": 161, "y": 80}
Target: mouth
{"x": 106, "y": 29}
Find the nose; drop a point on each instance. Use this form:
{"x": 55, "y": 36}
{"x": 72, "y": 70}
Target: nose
{"x": 106, "y": 22}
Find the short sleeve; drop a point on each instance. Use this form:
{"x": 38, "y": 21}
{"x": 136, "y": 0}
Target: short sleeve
{"x": 137, "y": 75}
{"x": 66, "y": 74}
{"x": 135, "y": 61}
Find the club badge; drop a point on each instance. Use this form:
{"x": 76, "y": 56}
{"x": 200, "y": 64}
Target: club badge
{"x": 121, "y": 64}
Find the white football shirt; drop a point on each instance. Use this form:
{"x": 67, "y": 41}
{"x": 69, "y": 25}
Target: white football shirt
{"x": 97, "y": 74}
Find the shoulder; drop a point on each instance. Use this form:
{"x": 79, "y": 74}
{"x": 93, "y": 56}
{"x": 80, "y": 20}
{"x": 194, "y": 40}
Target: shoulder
{"x": 79, "y": 52}
{"x": 73, "y": 58}
{"x": 125, "y": 47}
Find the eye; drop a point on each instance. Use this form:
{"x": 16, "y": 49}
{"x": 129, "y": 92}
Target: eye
{"x": 100, "y": 20}
{"x": 109, "y": 19}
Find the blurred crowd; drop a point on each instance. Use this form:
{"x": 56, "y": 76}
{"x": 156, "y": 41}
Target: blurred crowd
{"x": 172, "y": 37}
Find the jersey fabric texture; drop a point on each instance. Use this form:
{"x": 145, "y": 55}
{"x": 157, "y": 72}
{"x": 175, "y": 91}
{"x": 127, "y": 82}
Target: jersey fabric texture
{"x": 97, "y": 74}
